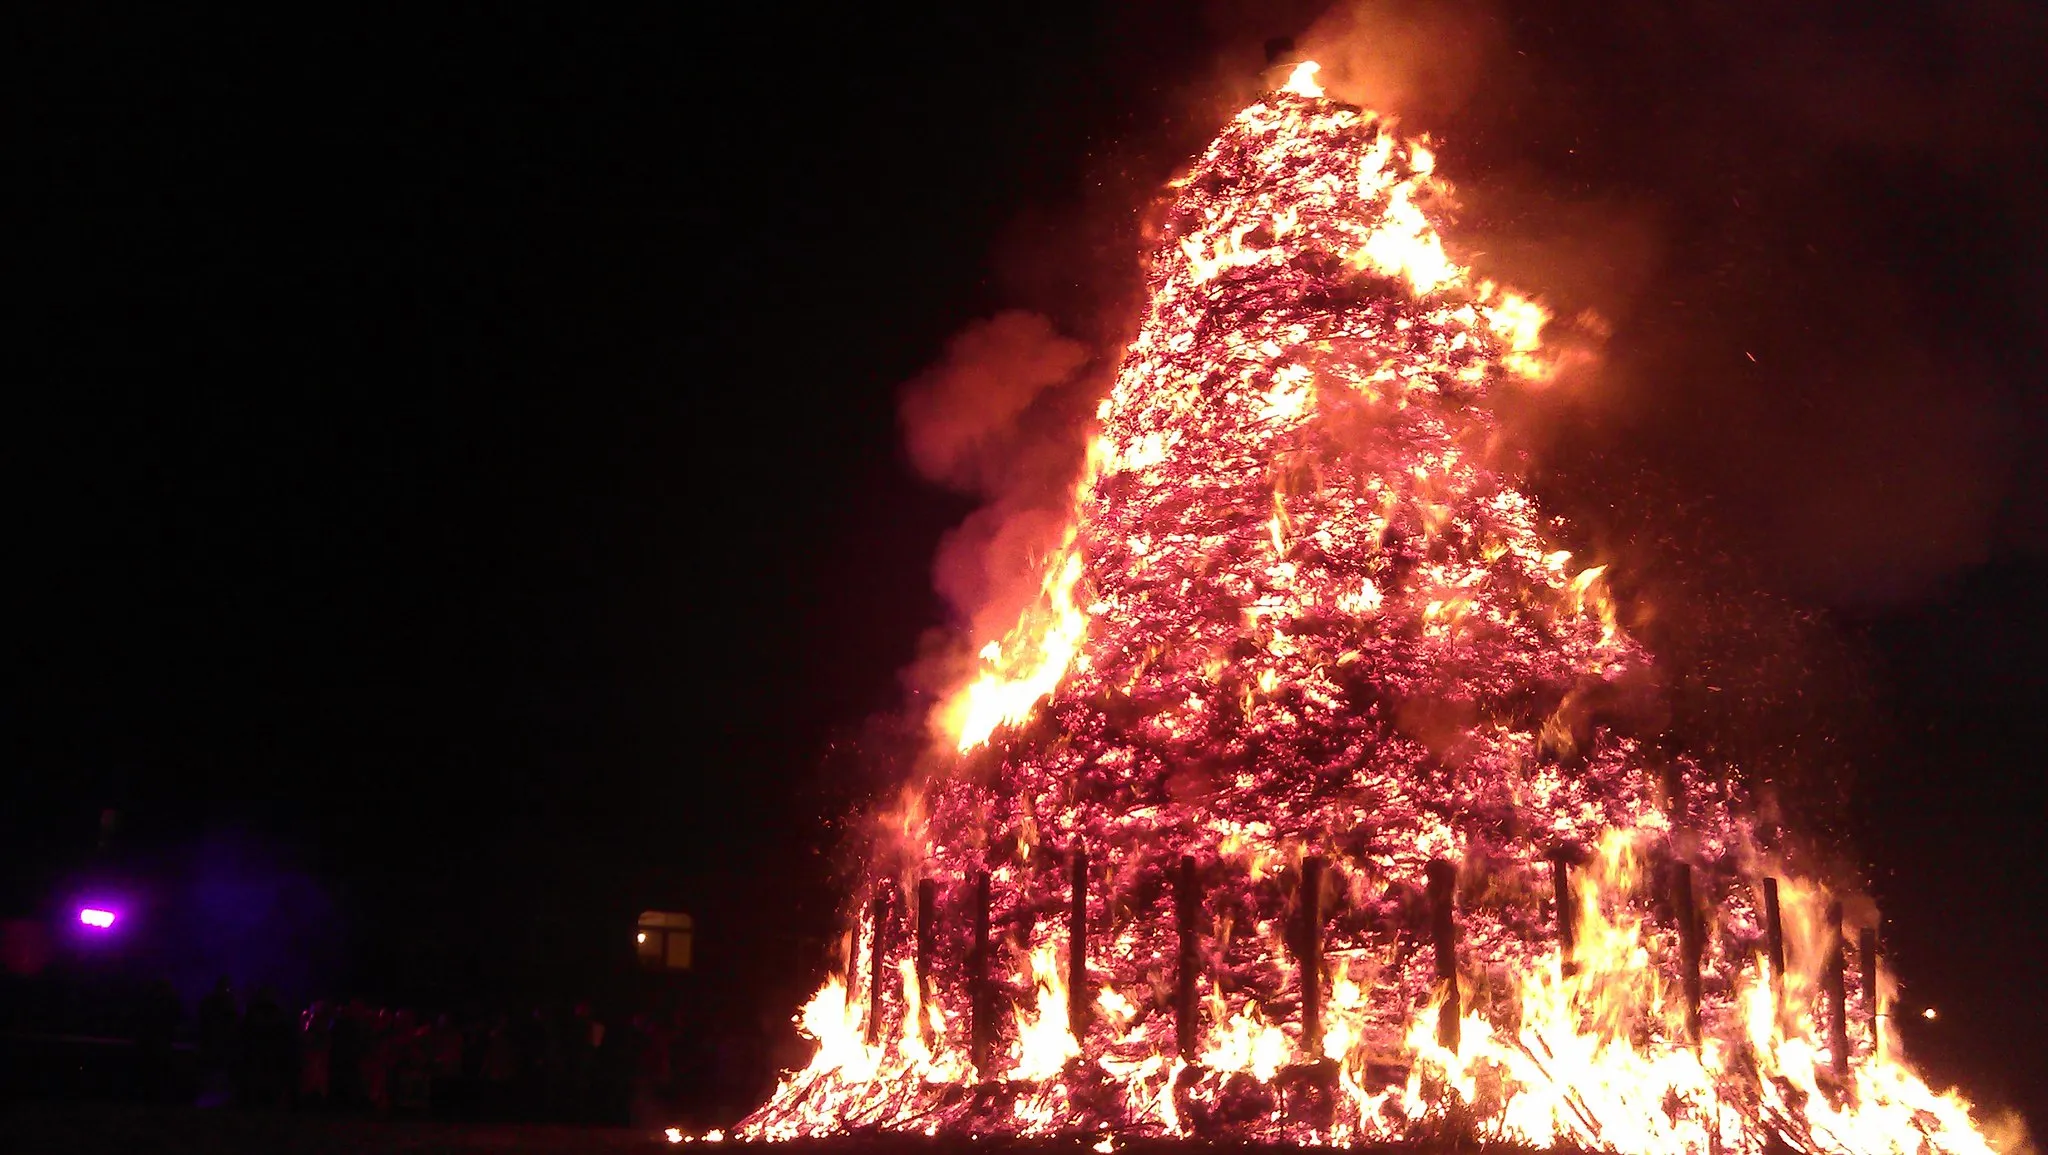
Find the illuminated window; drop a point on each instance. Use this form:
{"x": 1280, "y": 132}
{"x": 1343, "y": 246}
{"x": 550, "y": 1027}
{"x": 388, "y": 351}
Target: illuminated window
{"x": 662, "y": 941}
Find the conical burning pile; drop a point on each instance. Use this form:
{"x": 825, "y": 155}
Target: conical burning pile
{"x": 1312, "y": 692}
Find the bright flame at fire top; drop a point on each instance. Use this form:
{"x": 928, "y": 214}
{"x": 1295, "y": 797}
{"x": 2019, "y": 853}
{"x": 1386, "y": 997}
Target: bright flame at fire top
{"x": 94, "y": 917}
{"x": 1300, "y": 613}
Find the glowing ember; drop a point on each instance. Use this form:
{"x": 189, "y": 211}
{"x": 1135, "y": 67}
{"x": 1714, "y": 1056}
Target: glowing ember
{"x": 1303, "y": 627}
{"x": 96, "y": 918}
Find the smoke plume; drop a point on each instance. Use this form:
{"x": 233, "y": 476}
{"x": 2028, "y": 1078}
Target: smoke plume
{"x": 997, "y": 417}
{"x": 960, "y": 417}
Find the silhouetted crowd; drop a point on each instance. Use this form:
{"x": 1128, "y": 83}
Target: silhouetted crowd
{"x": 563, "y": 1063}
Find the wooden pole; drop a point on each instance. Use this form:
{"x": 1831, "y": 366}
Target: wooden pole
{"x": 1186, "y": 902}
{"x": 875, "y": 945}
{"x": 1866, "y": 942}
{"x": 1838, "y": 1015}
{"x": 1567, "y": 911}
{"x": 1311, "y": 902}
{"x": 1774, "y": 932}
{"x": 1077, "y": 947}
{"x": 1443, "y": 880}
{"x": 981, "y": 1019}
{"x": 927, "y": 932}
{"x": 1688, "y": 947}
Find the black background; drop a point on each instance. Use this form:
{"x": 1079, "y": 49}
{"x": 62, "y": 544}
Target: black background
{"x": 458, "y": 453}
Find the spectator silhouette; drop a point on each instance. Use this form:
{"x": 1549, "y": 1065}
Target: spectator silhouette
{"x": 345, "y": 1046}
{"x": 316, "y": 1028}
{"x": 441, "y": 1054}
{"x": 266, "y": 1052}
{"x": 219, "y": 1019}
{"x": 156, "y": 1025}
{"x": 653, "y": 1069}
{"x": 499, "y": 1068}
{"x": 582, "y": 1035}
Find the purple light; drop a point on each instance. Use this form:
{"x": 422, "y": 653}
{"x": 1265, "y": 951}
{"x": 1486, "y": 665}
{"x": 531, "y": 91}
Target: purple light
{"x": 96, "y": 918}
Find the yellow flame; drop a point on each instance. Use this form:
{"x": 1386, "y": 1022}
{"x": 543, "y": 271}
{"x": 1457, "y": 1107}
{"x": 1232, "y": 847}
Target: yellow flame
{"x": 1020, "y": 673}
{"x": 1302, "y": 82}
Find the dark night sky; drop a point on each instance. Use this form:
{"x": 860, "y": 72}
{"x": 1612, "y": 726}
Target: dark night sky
{"x": 461, "y": 453}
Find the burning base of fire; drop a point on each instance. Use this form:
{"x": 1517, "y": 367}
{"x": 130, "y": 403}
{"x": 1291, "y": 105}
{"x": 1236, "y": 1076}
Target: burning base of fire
{"x": 1111, "y": 1143}
{"x": 1308, "y": 805}
{"x": 1603, "y": 1055}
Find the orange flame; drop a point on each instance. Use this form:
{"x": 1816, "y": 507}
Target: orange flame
{"x": 1297, "y": 613}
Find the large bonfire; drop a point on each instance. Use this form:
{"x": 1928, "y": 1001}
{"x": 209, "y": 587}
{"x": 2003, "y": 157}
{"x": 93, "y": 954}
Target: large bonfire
{"x": 1320, "y": 749}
